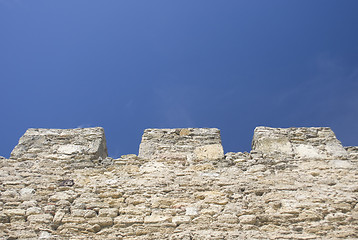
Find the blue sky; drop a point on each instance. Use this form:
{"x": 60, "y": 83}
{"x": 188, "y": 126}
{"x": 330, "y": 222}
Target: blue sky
{"x": 129, "y": 65}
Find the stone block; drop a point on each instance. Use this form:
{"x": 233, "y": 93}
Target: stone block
{"x": 181, "y": 144}
{"x": 61, "y": 144}
{"x": 127, "y": 220}
{"x": 301, "y": 143}
{"x": 102, "y": 221}
{"x": 177, "y": 220}
{"x": 40, "y": 218}
{"x": 157, "y": 219}
{"x": 108, "y": 212}
{"x": 248, "y": 219}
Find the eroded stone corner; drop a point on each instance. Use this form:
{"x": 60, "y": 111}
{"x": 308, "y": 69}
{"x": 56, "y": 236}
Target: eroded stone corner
{"x": 303, "y": 142}
{"x": 61, "y": 144}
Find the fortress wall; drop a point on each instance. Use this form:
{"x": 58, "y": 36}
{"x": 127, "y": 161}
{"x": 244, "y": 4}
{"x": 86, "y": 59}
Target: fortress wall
{"x": 236, "y": 196}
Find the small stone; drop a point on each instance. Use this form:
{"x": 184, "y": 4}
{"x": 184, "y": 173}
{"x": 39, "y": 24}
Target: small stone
{"x": 90, "y": 214}
{"x": 228, "y": 218}
{"x": 157, "y": 219}
{"x": 191, "y": 211}
{"x": 27, "y": 191}
{"x": 68, "y": 196}
{"x": 181, "y": 219}
{"x": 108, "y": 212}
{"x": 101, "y": 221}
{"x": 45, "y": 235}
{"x": 58, "y": 217}
{"x": 33, "y": 211}
{"x": 248, "y": 219}
{"x": 128, "y": 220}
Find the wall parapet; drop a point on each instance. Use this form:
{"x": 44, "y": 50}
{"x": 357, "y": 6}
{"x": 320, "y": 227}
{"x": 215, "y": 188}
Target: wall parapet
{"x": 269, "y": 193}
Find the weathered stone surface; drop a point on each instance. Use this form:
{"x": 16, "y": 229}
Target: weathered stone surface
{"x": 243, "y": 196}
{"x": 313, "y": 142}
{"x": 352, "y": 152}
{"x": 183, "y": 144}
{"x": 40, "y": 218}
{"x": 62, "y": 144}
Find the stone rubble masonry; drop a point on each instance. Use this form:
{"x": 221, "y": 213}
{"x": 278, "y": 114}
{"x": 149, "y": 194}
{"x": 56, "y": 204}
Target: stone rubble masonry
{"x": 61, "y": 144}
{"x": 186, "y": 144}
{"x": 304, "y": 142}
{"x": 296, "y": 183}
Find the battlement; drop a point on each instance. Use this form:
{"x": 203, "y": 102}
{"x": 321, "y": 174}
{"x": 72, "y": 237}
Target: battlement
{"x": 304, "y": 142}
{"x": 296, "y": 183}
{"x": 184, "y": 144}
{"x": 61, "y": 144}
{"x": 181, "y": 144}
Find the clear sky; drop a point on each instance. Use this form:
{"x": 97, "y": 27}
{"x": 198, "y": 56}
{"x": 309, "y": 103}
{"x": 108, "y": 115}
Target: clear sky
{"x": 128, "y": 65}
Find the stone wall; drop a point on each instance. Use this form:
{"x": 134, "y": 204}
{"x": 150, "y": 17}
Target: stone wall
{"x": 240, "y": 196}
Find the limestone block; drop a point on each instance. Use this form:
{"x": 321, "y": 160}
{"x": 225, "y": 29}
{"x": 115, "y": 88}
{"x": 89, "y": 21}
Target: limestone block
{"x": 157, "y": 219}
{"x": 83, "y": 213}
{"x": 15, "y": 212}
{"x": 191, "y": 211}
{"x": 70, "y": 219}
{"x": 248, "y": 219}
{"x": 228, "y": 218}
{"x": 128, "y": 220}
{"x": 301, "y": 143}
{"x": 61, "y": 144}
{"x": 68, "y": 196}
{"x": 177, "y": 220}
{"x": 108, "y": 212}
{"x": 40, "y": 218}
{"x": 58, "y": 217}
{"x": 181, "y": 144}
{"x": 33, "y": 211}
{"x": 102, "y": 221}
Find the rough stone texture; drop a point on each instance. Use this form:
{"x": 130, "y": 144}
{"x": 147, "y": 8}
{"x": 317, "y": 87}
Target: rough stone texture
{"x": 61, "y": 144}
{"x": 352, "y": 152}
{"x": 313, "y": 142}
{"x": 242, "y": 196}
{"x": 185, "y": 144}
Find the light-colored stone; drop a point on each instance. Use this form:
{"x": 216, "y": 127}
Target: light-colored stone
{"x": 157, "y": 219}
{"x": 58, "y": 217}
{"x": 191, "y": 211}
{"x": 210, "y": 152}
{"x": 67, "y": 196}
{"x": 33, "y": 211}
{"x": 181, "y": 219}
{"x": 40, "y": 218}
{"x": 108, "y": 212}
{"x": 13, "y": 212}
{"x": 248, "y": 219}
{"x": 101, "y": 221}
{"x": 228, "y": 218}
{"x": 127, "y": 220}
